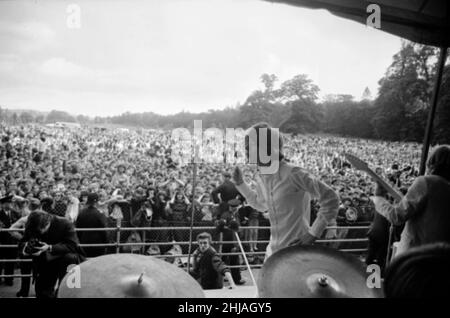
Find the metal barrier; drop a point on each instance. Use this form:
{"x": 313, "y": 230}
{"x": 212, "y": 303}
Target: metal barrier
{"x": 118, "y": 244}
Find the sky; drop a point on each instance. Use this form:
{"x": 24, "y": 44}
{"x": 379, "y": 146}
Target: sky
{"x": 166, "y": 56}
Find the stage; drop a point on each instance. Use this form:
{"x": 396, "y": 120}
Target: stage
{"x": 238, "y": 292}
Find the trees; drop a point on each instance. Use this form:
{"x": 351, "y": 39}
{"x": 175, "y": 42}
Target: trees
{"x": 3, "y": 115}
{"x": 83, "y": 119}
{"x": 305, "y": 116}
{"x": 263, "y": 106}
{"x": 26, "y": 118}
{"x": 14, "y": 119}
{"x": 300, "y": 87}
{"x": 442, "y": 124}
{"x": 405, "y": 94}
{"x": 399, "y": 111}
{"x": 344, "y": 116}
{"x": 300, "y": 94}
{"x": 40, "y": 119}
{"x": 57, "y": 115}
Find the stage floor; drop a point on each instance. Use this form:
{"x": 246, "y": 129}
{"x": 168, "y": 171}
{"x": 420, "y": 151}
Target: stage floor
{"x": 238, "y": 292}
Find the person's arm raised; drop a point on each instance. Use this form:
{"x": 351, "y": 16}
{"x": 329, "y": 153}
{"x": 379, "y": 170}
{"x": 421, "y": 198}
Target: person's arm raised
{"x": 413, "y": 202}
{"x": 254, "y": 198}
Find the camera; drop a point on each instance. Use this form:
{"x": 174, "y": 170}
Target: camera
{"x": 33, "y": 246}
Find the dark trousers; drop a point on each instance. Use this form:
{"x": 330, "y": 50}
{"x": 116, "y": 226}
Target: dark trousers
{"x": 25, "y": 269}
{"x": 94, "y": 251}
{"x": 162, "y": 236}
{"x": 180, "y": 235}
{"x": 232, "y": 260}
{"x": 376, "y": 253}
{"x": 49, "y": 272}
{"x": 7, "y": 268}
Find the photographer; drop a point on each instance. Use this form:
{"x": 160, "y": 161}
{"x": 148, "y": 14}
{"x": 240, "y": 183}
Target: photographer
{"x": 25, "y": 267}
{"x": 8, "y": 216}
{"x": 53, "y": 245}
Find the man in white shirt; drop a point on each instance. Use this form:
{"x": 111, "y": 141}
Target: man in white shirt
{"x": 286, "y": 194}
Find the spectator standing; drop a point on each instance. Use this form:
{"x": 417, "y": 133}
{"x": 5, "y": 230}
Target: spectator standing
{"x": 91, "y": 217}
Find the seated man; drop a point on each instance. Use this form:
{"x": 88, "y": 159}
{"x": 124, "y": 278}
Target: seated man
{"x": 208, "y": 267}
{"x": 53, "y": 245}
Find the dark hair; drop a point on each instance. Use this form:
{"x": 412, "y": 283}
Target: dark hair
{"x": 421, "y": 272}
{"x": 37, "y": 220}
{"x": 204, "y": 236}
{"x": 439, "y": 161}
{"x": 258, "y": 128}
{"x": 47, "y": 204}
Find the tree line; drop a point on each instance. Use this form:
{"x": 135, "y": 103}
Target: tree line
{"x": 398, "y": 113}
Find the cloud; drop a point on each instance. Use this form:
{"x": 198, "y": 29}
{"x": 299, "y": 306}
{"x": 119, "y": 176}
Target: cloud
{"x": 169, "y": 55}
{"x": 60, "y": 67}
{"x": 26, "y": 36}
{"x": 8, "y": 62}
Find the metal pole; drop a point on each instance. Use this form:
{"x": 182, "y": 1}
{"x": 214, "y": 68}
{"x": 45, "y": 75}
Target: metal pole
{"x": 245, "y": 258}
{"x": 431, "y": 114}
{"x": 118, "y": 221}
{"x": 194, "y": 172}
{"x": 388, "y": 253}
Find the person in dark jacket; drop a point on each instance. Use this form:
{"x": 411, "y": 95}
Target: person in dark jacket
{"x": 8, "y": 216}
{"x": 53, "y": 244}
{"x": 160, "y": 219}
{"x": 228, "y": 223}
{"x": 226, "y": 191}
{"x": 378, "y": 236}
{"x": 208, "y": 267}
{"x": 91, "y": 217}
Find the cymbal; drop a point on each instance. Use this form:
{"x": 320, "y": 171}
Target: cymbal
{"x": 128, "y": 276}
{"x": 312, "y": 271}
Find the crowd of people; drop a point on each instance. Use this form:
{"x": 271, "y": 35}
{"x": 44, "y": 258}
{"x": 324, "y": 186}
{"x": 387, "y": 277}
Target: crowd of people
{"x": 133, "y": 178}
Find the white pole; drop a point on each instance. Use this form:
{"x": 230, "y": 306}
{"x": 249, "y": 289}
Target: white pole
{"x": 245, "y": 259}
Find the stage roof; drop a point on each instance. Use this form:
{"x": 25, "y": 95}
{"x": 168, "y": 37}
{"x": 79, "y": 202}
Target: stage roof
{"x": 422, "y": 21}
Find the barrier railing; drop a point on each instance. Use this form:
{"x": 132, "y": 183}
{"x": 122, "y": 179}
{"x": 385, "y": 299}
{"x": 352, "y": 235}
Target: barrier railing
{"x": 118, "y": 244}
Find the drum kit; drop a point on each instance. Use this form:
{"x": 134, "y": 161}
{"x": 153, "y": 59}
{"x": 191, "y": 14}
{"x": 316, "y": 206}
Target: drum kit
{"x": 293, "y": 272}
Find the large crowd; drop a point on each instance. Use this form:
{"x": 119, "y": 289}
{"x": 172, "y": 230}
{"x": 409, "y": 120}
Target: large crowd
{"x": 140, "y": 182}
{"x": 128, "y": 168}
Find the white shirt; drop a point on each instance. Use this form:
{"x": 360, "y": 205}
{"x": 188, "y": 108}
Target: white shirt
{"x": 287, "y": 196}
